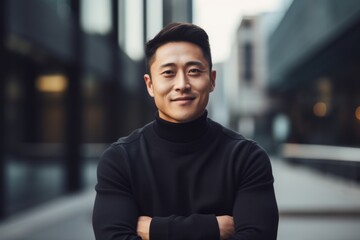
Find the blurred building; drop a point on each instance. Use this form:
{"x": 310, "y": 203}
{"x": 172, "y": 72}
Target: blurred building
{"x": 71, "y": 82}
{"x": 314, "y": 71}
{"x": 217, "y": 107}
{"x": 244, "y": 79}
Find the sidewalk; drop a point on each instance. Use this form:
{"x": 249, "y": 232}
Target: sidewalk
{"x": 312, "y": 207}
{"x": 67, "y": 218}
{"x": 315, "y": 206}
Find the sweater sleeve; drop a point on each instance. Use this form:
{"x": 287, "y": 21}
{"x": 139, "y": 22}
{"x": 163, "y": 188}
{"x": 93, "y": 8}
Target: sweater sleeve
{"x": 194, "y": 227}
{"x": 115, "y": 211}
{"x": 255, "y": 209}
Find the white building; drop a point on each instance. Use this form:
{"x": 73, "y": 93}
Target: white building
{"x": 245, "y": 72}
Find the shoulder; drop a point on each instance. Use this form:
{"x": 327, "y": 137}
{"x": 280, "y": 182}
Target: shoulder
{"x": 251, "y": 161}
{"x": 227, "y": 132}
{"x": 119, "y": 149}
{"x": 134, "y": 135}
{"x": 239, "y": 144}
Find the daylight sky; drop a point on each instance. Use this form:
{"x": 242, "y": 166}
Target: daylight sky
{"x": 220, "y": 18}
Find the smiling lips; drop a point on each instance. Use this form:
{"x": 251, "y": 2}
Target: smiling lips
{"x": 183, "y": 99}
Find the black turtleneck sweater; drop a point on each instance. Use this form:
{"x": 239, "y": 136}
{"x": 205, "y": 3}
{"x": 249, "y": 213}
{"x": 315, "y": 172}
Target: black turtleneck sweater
{"x": 183, "y": 176}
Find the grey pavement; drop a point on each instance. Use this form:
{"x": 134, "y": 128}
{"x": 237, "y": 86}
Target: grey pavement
{"x": 315, "y": 206}
{"x": 312, "y": 207}
{"x": 67, "y": 218}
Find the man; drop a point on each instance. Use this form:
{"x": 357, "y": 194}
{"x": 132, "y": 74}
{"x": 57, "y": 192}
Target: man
{"x": 184, "y": 176}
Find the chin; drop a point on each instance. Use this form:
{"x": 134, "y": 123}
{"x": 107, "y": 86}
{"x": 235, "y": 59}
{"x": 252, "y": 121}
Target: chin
{"x": 187, "y": 117}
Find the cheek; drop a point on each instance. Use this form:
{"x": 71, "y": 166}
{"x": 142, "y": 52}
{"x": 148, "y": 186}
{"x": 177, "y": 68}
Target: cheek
{"x": 203, "y": 87}
{"x": 161, "y": 89}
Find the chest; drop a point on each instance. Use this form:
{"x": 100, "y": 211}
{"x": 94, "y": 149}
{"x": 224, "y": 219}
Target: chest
{"x": 200, "y": 182}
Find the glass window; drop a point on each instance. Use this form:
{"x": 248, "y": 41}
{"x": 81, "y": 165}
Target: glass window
{"x": 96, "y": 16}
{"x": 154, "y": 18}
{"x": 133, "y": 44}
{"x": 248, "y": 58}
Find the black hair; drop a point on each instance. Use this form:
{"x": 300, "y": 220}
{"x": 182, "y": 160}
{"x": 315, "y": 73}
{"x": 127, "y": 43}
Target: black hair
{"x": 178, "y": 32}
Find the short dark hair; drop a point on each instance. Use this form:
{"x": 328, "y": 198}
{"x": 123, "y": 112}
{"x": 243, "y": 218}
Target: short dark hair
{"x": 179, "y": 32}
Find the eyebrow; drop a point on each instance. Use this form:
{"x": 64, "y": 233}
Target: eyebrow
{"x": 190, "y": 63}
{"x": 195, "y": 63}
{"x": 166, "y": 65}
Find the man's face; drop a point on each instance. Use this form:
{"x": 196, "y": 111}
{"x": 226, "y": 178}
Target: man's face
{"x": 180, "y": 81}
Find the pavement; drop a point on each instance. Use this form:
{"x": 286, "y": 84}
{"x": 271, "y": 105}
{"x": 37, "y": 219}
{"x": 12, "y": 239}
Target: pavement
{"x": 315, "y": 206}
{"x": 312, "y": 206}
{"x": 66, "y": 218}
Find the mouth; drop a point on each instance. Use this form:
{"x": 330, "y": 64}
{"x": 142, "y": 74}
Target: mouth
{"x": 183, "y": 99}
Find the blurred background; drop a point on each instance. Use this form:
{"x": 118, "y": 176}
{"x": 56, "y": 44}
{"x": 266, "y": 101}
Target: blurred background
{"x": 71, "y": 82}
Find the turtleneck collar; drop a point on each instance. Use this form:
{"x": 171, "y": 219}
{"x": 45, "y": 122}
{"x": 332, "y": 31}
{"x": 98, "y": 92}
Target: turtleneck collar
{"x": 181, "y": 132}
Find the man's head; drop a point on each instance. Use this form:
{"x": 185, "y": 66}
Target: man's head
{"x": 180, "y": 77}
{"x": 179, "y": 32}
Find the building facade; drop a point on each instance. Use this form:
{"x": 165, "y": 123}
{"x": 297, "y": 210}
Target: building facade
{"x": 313, "y": 71}
{"x": 245, "y": 74}
{"x": 71, "y": 83}
{"x": 314, "y": 74}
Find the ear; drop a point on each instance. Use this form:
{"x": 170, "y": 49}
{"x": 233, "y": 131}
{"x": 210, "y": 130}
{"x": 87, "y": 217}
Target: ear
{"x": 212, "y": 80}
{"x": 148, "y": 83}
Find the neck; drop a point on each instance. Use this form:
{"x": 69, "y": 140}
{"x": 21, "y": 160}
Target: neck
{"x": 181, "y": 132}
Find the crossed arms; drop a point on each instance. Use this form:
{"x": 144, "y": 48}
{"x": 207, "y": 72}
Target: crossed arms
{"x": 254, "y": 214}
{"x": 225, "y": 222}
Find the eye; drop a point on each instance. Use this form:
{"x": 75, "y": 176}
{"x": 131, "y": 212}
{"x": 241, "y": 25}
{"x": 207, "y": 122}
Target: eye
{"x": 195, "y": 71}
{"x": 168, "y": 73}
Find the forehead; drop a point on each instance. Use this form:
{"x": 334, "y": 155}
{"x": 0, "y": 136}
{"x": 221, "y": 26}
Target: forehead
{"x": 178, "y": 53}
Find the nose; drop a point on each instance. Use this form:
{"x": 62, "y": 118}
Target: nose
{"x": 182, "y": 83}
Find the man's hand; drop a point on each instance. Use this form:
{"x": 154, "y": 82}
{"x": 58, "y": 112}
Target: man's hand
{"x": 143, "y": 227}
{"x": 226, "y": 226}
